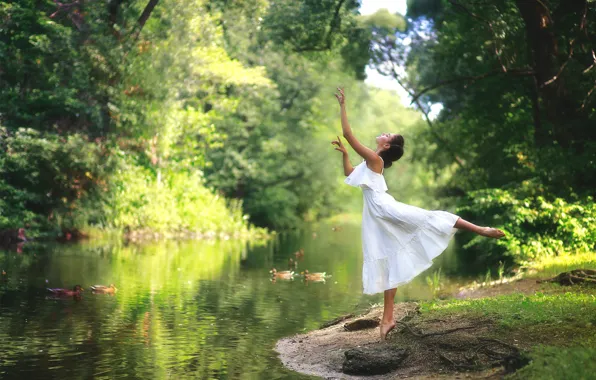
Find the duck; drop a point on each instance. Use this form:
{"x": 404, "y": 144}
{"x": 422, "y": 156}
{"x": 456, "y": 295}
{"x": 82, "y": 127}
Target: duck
{"x": 76, "y": 291}
{"x": 317, "y": 276}
{"x": 104, "y": 289}
{"x": 285, "y": 275}
{"x": 299, "y": 253}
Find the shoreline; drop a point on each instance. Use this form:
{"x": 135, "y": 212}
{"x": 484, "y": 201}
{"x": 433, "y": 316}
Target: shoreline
{"x": 441, "y": 338}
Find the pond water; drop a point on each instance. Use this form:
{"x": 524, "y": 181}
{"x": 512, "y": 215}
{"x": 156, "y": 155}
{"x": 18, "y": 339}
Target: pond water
{"x": 182, "y": 309}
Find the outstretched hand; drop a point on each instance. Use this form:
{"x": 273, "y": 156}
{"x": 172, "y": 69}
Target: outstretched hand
{"x": 340, "y": 146}
{"x": 341, "y": 96}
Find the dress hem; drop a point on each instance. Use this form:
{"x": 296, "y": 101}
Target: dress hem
{"x": 428, "y": 265}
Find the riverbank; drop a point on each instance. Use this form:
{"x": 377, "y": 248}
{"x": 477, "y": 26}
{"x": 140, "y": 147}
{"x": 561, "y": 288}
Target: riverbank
{"x": 9, "y": 238}
{"x": 523, "y": 328}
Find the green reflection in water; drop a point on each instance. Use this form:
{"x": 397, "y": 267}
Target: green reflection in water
{"x": 182, "y": 310}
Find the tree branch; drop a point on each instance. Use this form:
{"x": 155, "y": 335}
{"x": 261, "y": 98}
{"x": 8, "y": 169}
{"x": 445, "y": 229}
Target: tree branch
{"x": 582, "y": 25}
{"x": 558, "y": 74}
{"x": 428, "y": 121}
{"x": 490, "y": 25}
{"x": 144, "y": 17}
{"x": 520, "y": 72}
{"x": 588, "y": 97}
{"x": 64, "y": 7}
{"x": 334, "y": 24}
{"x": 589, "y": 40}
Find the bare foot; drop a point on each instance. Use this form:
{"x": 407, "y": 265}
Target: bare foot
{"x": 385, "y": 328}
{"x": 492, "y": 232}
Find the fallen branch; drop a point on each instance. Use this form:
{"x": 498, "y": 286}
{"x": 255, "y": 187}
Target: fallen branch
{"x": 493, "y": 340}
{"x": 574, "y": 276}
{"x": 436, "y": 333}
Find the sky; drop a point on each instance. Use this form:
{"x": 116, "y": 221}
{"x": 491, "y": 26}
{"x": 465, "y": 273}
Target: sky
{"x": 373, "y": 78}
{"x": 371, "y": 6}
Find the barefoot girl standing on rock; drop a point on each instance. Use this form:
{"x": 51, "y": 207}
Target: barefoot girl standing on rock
{"x": 399, "y": 241}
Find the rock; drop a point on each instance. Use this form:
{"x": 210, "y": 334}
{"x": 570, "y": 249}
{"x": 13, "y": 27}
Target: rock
{"x": 515, "y": 362}
{"x": 336, "y": 321}
{"x": 373, "y": 360}
{"x": 362, "y": 324}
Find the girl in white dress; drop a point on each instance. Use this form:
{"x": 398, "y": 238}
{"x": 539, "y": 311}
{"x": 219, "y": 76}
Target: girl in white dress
{"x": 399, "y": 241}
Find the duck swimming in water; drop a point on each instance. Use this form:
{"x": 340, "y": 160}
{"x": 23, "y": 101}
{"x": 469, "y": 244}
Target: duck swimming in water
{"x": 317, "y": 276}
{"x": 76, "y": 291}
{"x": 104, "y": 289}
{"x": 284, "y": 275}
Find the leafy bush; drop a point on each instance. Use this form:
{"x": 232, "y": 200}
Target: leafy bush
{"x": 537, "y": 224}
{"x": 172, "y": 201}
{"x": 44, "y": 177}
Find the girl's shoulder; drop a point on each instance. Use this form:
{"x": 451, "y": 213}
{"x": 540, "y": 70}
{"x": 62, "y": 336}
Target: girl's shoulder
{"x": 382, "y": 166}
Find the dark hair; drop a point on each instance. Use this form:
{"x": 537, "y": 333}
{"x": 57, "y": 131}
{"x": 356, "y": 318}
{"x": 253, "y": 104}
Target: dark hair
{"x": 395, "y": 151}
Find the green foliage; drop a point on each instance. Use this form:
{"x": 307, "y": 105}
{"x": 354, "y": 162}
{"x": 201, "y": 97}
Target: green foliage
{"x": 504, "y": 126}
{"x": 537, "y": 224}
{"x": 48, "y": 78}
{"x": 311, "y": 26}
{"x": 201, "y": 87}
{"x": 45, "y": 176}
{"x": 515, "y": 134}
{"x": 558, "y": 363}
{"x": 175, "y": 201}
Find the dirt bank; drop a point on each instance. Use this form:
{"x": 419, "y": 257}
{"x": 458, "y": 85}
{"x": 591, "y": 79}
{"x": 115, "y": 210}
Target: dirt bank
{"x": 420, "y": 347}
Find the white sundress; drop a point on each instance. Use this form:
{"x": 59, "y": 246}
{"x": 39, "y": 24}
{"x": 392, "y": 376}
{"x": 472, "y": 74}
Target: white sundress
{"x": 399, "y": 241}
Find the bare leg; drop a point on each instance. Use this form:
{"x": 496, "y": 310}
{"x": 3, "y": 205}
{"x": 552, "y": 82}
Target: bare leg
{"x": 388, "y": 322}
{"x": 463, "y": 224}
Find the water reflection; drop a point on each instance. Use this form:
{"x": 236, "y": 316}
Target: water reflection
{"x": 182, "y": 310}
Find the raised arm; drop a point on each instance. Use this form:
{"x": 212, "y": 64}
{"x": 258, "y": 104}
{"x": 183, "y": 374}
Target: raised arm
{"x": 348, "y": 168}
{"x": 372, "y": 158}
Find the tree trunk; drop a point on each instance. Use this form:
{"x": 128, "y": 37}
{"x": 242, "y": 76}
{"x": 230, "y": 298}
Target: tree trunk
{"x": 555, "y": 101}
{"x": 113, "y": 10}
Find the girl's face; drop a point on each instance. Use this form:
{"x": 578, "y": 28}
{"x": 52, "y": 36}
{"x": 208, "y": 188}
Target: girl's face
{"x": 385, "y": 139}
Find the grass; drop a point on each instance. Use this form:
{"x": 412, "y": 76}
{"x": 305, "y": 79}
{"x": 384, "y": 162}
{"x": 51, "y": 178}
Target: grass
{"x": 434, "y": 282}
{"x": 563, "y": 319}
{"x": 557, "y": 363}
{"x": 518, "y": 310}
{"x": 551, "y": 266}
